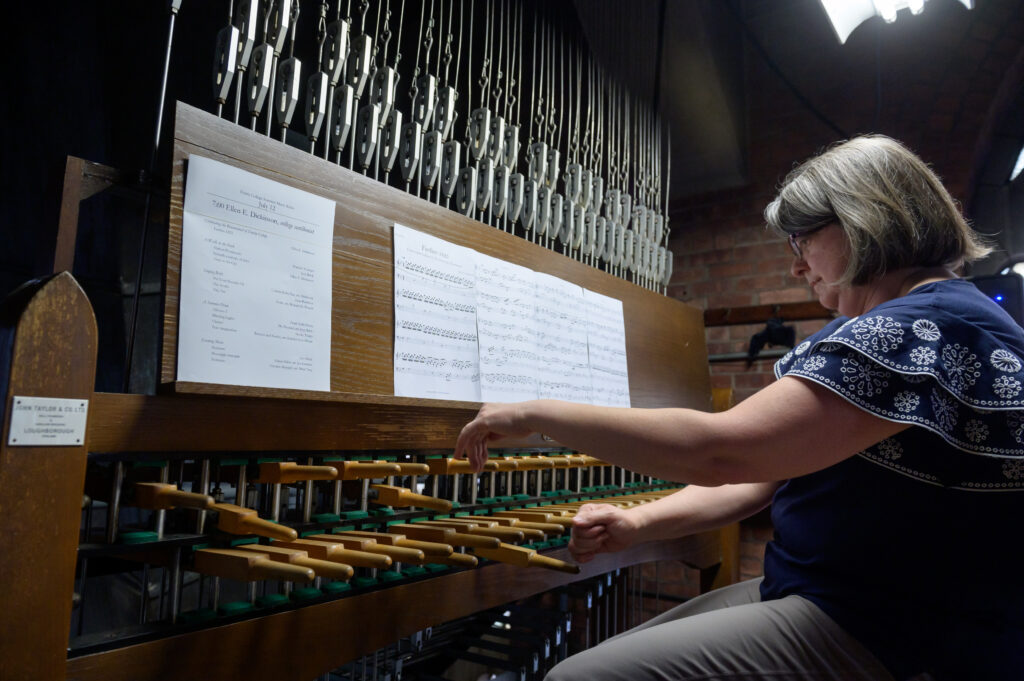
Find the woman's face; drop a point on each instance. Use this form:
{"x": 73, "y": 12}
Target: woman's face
{"x": 825, "y": 255}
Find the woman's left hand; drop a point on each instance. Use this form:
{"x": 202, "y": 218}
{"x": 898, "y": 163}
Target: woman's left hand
{"x": 493, "y": 422}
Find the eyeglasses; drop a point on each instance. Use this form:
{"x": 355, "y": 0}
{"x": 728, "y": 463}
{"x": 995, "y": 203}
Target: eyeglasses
{"x": 794, "y": 236}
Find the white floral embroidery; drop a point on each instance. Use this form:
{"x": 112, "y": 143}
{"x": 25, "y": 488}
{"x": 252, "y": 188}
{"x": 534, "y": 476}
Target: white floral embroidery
{"x": 922, "y": 355}
{"x": 907, "y": 401}
{"x": 961, "y": 366}
{"x": 786, "y": 357}
{"x": 1014, "y": 470}
{"x": 914, "y": 378}
{"x": 890, "y": 449}
{"x": 1015, "y": 421}
{"x": 975, "y": 430}
{"x": 802, "y": 348}
{"x": 1004, "y": 360}
{"x": 815, "y": 363}
{"x": 944, "y": 410}
{"x": 865, "y": 378}
{"x": 926, "y": 330}
{"x": 1006, "y": 387}
{"x": 828, "y": 347}
{"x": 881, "y": 333}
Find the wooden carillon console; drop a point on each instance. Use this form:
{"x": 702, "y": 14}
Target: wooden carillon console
{"x": 217, "y": 530}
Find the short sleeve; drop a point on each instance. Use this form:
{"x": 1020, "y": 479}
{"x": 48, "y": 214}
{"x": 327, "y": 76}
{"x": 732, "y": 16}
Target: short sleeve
{"x": 961, "y": 383}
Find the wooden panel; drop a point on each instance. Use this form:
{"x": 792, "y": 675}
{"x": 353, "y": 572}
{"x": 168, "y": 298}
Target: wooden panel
{"x": 41, "y": 487}
{"x": 665, "y": 339}
{"x": 305, "y": 643}
{"x": 132, "y": 423}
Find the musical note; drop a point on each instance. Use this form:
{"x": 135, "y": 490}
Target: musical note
{"x": 435, "y": 353}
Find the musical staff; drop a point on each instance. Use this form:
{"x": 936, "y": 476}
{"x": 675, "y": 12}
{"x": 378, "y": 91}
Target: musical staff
{"x": 606, "y": 338}
{"x": 507, "y": 328}
{"x": 436, "y": 353}
{"x": 470, "y": 324}
{"x": 565, "y": 361}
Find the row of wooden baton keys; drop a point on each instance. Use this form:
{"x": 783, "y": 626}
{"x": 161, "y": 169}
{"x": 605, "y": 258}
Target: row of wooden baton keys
{"x": 333, "y": 556}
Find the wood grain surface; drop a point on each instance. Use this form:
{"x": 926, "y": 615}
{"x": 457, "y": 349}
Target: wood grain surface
{"x": 301, "y": 644}
{"x": 53, "y": 355}
{"x": 665, "y": 346}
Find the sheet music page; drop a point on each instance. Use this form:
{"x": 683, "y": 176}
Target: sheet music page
{"x": 255, "y": 299}
{"x": 506, "y": 330}
{"x": 562, "y": 340}
{"x": 606, "y": 342}
{"x": 435, "y": 318}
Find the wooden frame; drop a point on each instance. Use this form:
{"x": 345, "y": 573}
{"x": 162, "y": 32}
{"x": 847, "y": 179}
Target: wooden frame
{"x": 55, "y": 352}
{"x": 301, "y": 644}
{"x": 665, "y": 345}
{"x": 41, "y": 487}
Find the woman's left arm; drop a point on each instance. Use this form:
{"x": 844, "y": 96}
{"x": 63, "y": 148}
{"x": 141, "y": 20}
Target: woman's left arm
{"x": 790, "y": 428}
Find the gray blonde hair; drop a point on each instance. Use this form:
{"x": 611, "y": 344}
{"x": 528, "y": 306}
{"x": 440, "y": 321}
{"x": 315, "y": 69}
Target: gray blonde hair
{"x": 891, "y": 206}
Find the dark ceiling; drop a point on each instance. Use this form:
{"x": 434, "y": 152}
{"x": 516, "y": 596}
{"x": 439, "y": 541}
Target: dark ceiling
{"x": 908, "y": 79}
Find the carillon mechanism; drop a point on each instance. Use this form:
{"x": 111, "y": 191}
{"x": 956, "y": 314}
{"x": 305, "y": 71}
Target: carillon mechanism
{"x": 282, "y": 532}
{"x": 593, "y": 176}
{"x": 210, "y": 514}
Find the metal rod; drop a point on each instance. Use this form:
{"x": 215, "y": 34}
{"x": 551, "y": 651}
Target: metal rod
{"x": 147, "y": 180}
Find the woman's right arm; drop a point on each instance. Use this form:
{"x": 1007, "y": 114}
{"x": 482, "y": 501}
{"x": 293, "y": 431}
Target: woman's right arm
{"x": 603, "y": 528}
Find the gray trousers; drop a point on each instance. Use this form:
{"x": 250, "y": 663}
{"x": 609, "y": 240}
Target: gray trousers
{"x": 729, "y": 633}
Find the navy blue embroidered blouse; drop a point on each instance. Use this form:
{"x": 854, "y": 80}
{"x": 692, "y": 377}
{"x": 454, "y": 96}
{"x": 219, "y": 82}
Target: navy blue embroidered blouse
{"x": 913, "y": 545}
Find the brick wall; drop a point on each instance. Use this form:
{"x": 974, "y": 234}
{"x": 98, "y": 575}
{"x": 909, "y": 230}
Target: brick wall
{"x": 941, "y": 77}
{"x": 942, "y": 73}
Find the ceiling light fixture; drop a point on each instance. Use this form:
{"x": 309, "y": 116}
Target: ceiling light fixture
{"x": 847, "y": 15}
{"x": 1018, "y": 166}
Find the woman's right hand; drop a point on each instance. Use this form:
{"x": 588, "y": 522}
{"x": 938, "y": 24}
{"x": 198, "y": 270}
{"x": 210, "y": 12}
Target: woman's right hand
{"x": 601, "y": 528}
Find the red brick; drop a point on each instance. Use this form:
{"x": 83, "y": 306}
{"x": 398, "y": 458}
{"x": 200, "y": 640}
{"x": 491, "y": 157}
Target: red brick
{"x": 786, "y": 295}
{"x": 764, "y": 282}
{"x": 721, "y": 381}
{"x": 733, "y": 269}
{"x": 717, "y": 333}
{"x": 719, "y": 348}
{"x": 744, "y": 331}
{"x": 735, "y": 299}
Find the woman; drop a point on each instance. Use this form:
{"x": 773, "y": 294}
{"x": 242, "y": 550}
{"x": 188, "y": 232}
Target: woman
{"x": 891, "y": 449}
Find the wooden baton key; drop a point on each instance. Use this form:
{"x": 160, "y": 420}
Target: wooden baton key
{"x": 392, "y": 538}
{"x": 397, "y": 554}
{"x": 238, "y": 520}
{"x": 452, "y": 466}
{"x": 408, "y": 468}
{"x": 336, "y": 550}
{"x": 524, "y": 557}
{"x": 531, "y": 515}
{"x": 482, "y": 527}
{"x": 247, "y": 566}
{"x": 287, "y": 472}
{"x": 322, "y": 568}
{"x": 334, "y": 553}
{"x": 446, "y": 535}
{"x": 545, "y": 528}
{"x": 161, "y": 495}
{"x": 389, "y": 495}
{"x": 361, "y": 470}
{"x": 529, "y": 534}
